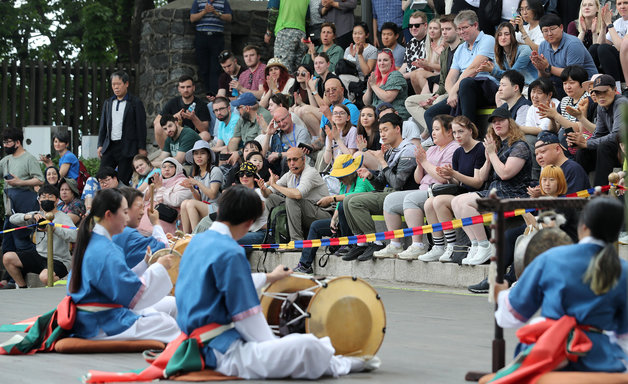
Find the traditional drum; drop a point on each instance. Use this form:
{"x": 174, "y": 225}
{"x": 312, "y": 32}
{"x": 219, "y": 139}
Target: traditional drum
{"x": 177, "y": 247}
{"x": 346, "y": 309}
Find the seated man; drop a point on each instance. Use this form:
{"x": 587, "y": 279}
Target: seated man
{"x": 397, "y": 171}
{"x": 599, "y": 153}
{"x": 197, "y": 118}
{"x": 302, "y": 187}
{"x": 247, "y": 127}
{"x": 253, "y": 77}
{"x": 21, "y": 262}
{"x": 390, "y": 36}
{"x": 509, "y": 95}
{"x": 225, "y": 125}
{"x": 179, "y": 140}
{"x": 106, "y": 177}
{"x": 218, "y": 289}
{"x": 231, "y": 71}
{"x": 281, "y": 135}
{"x": 132, "y": 242}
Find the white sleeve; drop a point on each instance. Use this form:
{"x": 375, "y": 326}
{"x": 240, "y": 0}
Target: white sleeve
{"x": 160, "y": 235}
{"x": 503, "y": 316}
{"x": 259, "y": 280}
{"x": 140, "y": 268}
{"x": 156, "y": 286}
{"x": 254, "y": 328}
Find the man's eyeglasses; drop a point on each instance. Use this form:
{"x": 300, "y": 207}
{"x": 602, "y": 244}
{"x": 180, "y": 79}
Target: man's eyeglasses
{"x": 105, "y": 180}
{"x": 283, "y": 118}
{"x": 220, "y": 109}
{"x": 417, "y": 25}
{"x": 331, "y": 90}
{"x": 5, "y": 142}
{"x": 547, "y": 31}
{"x": 293, "y": 159}
{"x": 463, "y": 28}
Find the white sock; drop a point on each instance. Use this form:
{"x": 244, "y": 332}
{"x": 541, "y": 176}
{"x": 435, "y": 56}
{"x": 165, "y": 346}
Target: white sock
{"x": 378, "y": 242}
{"x": 474, "y": 243}
{"x": 395, "y": 243}
{"x": 484, "y": 244}
{"x": 418, "y": 244}
{"x": 362, "y": 244}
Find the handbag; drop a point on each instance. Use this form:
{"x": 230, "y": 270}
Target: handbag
{"x": 346, "y": 67}
{"x": 167, "y": 213}
{"x": 445, "y": 189}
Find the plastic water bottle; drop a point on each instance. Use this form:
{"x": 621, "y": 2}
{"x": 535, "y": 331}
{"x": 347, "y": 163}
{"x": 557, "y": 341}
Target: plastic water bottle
{"x": 234, "y": 91}
{"x": 192, "y": 107}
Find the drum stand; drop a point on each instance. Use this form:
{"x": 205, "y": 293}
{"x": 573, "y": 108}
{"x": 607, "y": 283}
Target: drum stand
{"x": 498, "y": 207}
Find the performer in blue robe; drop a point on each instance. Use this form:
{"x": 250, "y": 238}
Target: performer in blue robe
{"x": 215, "y": 286}
{"x": 132, "y": 242}
{"x": 586, "y": 281}
{"x": 100, "y": 275}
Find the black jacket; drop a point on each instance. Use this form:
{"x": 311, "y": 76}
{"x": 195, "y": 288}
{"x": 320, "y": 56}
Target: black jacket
{"x": 133, "y": 126}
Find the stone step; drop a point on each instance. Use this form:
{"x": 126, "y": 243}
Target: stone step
{"x": 393, "y": 270}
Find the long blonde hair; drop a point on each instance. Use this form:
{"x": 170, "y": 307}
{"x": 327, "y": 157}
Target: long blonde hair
{"x": 429, "y": 54}
{"x": 596, "y": 28}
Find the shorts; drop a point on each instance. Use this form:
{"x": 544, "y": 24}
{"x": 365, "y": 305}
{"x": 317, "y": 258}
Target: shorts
{"x": 33, "y": 262}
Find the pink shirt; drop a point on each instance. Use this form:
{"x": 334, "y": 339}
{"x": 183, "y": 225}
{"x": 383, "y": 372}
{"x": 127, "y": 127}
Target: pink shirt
{"x": 438, "y": 157}
{"x": 253, "y": 80}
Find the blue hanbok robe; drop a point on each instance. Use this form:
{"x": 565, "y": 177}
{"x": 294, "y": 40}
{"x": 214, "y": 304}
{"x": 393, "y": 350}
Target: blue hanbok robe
{"x": 134, "y": 245}
{"x": 553, "y": 282}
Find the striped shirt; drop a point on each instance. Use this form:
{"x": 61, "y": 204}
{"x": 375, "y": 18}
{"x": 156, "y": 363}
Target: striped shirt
{"x": 210, "y": 22}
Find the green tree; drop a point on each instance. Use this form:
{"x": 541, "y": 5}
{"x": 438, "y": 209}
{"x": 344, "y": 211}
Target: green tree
{"x": 102, "y": 31}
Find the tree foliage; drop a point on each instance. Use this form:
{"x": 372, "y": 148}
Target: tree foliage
{"x": 101, "y": 31}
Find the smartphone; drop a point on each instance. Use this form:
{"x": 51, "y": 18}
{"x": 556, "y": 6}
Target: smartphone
{"x": 8, "y": 177}
{"x": 224, "y": 156}
{"x": 567, "y": 132}
{"x": 305, "y": 146}
{"x": 306, "y": 40}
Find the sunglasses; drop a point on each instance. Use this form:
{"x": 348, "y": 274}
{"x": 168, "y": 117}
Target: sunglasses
{"x": 302, "y": 74}
{"x": 247, "y": 174}
{"x": 418, "y": 25}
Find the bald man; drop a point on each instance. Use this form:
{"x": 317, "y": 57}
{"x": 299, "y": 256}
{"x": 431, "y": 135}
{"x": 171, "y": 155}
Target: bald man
{"x": 302, "y": 187}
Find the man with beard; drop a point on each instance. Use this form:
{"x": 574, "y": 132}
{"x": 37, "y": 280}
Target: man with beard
{"x": 225, "y": 125}
{"x": 179, "y": 140}
{"x": 253, "y": 77}
{"x": 247, "y": 127}
{"x": 20, "y": 262}
{"x": 197, "y": 118}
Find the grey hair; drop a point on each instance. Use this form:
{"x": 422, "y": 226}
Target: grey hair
{"x": 467, "y": 15}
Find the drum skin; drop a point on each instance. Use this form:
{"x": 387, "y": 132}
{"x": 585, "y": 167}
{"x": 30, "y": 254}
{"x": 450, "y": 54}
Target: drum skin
{"x": 177, "y": 250}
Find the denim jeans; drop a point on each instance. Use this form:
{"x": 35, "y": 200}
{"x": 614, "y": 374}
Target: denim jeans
{"x": 318, "y": 229}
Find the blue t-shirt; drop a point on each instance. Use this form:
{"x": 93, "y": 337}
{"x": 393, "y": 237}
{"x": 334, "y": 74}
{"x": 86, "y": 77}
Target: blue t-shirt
{"x": 570, "y": 51}
{"x": 576, "y": 177}
{"x": 70, "y": 158}
{"x": 467, "y": 162}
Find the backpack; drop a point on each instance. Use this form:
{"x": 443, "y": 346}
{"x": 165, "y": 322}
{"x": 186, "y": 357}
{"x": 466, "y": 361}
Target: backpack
{"x": 82, "y": 177}
{"x": 277, "y": 226}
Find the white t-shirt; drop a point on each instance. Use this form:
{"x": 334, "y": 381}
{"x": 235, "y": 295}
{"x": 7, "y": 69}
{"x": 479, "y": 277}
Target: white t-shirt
{"x": 535, "y": 35}
{"x": 534, "y": 120}
{"x": 621, "y": 26}
{"x": 261, "y": 221}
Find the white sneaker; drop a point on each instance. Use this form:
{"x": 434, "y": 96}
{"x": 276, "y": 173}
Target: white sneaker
{"x": 434, "y": 254}
{"x": 472, "y": 251}
{"x": 390, "y": 251}
{"x": 413, "y": 252}
{"x": 482, "y": 255}
{"x": 623, "y": 238}
{"x": 446, "y": 257}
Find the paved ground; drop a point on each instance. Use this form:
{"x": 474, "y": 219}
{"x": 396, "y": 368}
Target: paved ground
{"x": 434, "y": 335}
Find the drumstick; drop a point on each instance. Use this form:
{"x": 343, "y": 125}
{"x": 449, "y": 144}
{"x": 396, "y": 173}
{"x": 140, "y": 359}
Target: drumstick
{"x": 152, "y": 197}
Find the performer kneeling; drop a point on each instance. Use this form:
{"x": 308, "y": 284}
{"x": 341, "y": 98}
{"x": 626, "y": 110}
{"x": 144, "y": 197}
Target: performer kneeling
{"x": 215, "y": 287}
{"x": 581, "y": 286}
{"x": 100, "y": 275}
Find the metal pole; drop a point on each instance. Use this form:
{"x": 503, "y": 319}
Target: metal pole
{"x": 499, "y": 344}
{"x": 50, "y": 230}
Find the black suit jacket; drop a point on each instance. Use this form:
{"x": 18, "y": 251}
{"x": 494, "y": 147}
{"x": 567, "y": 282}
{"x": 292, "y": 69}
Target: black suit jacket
{"x": 133, "y": 126}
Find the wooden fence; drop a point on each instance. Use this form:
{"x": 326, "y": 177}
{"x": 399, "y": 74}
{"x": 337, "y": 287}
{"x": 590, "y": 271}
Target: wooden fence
{"x": 43, "y": 93}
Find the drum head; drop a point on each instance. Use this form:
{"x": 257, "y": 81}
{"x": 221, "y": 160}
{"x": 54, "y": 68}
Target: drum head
{"x": 271, "y": 306}
{"x": 350, "y": 312}
{"x": 172, "y": 272}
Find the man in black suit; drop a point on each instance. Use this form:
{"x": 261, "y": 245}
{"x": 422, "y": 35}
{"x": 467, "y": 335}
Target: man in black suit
{"x": 122, "y": 132}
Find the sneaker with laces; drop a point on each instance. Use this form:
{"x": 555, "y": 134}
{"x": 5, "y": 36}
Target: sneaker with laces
{"x": 412, "y": 253}
{"x": 482, "y": 255}
{"x": 481, "y": 287}
{"x": 300, "y": 268}
{"x": 434, "y": 254}
{"x": 472, "y": 251}
{"x": 446, "y": 257}
{"x": 390, "y": 251}
{"x": 354, "y": 253}
{"x": 369, "y": 251}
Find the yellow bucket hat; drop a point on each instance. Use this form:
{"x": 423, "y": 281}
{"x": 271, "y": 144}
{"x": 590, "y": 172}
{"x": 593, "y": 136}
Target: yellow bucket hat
{"x": 344, "y": 165}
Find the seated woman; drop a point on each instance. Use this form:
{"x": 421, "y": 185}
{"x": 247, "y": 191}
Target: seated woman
{"x": 300, "y": 91}
{"x": 341, "y": 137}
{"x": 411, "y": 203}
{"x": 361, "y": 53}
{"x": 464, "y": 171}
{"x": 345, "y": 169}
{"x": 100, "y": 278}
{"x": 52, "y": 176}
{"x": 68, "y": 162}
{"x": 510, "y": 159}
{"x": 69, "y": 200}
{"x": 170, "y": 191}
{"x": 334, "y": 52}
{"x": 204, "y": 186}
{"x": 247, "y": 176}
{"x": 509, "y": 54}
{"x": 278, "y": 80}
{"x": 589, "y": 26}
{"x": 249, "y": 147}
{"x": 144, "y": 170}
{"x": 387, "y": 85}
{"x": 427, "y": 74}
{"x": 368, "y": 136}
{"x": 586, "y": 281}
{"x": 530, "y": 12}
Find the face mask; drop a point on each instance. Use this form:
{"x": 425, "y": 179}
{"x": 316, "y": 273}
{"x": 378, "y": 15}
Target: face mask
{"x": 47, "y": 205}
{"x": 10, "y": 150}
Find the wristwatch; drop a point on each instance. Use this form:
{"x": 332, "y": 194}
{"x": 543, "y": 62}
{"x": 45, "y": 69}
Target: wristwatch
{"x": 610, "y": 26}
{"x": 364, "y": 149}
{"x": 548, "y": 69}
{"x": 315, "y": 92}
{"x": 334, "y": 199}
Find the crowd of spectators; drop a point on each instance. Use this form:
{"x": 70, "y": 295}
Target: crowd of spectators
{"x": 351, "y": 119}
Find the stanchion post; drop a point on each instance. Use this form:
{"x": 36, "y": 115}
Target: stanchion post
{"x": 50, "y": 230}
